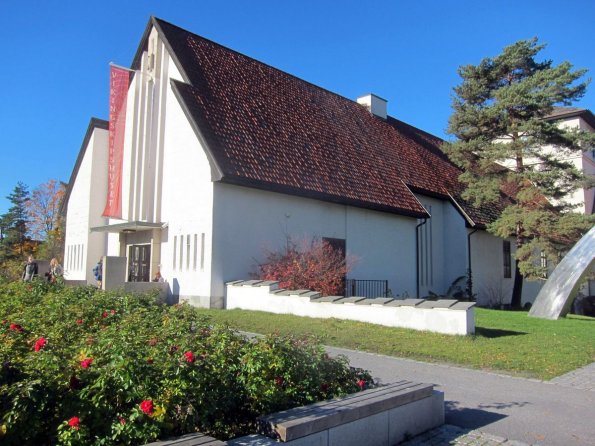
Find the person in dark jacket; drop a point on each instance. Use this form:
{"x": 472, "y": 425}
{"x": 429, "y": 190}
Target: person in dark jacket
{"x": 98, "y": 272}
{"x": 30, "y": 270}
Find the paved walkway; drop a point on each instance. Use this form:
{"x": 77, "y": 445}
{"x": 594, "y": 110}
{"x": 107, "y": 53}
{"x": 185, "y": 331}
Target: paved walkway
{"x": 487, "y": 409}
{"x": 583, "y": 378}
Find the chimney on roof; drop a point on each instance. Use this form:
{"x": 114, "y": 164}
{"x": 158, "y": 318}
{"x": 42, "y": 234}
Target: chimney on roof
{"x": 375, "y": 104}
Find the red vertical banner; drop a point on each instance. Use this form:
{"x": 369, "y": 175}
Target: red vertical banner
{"x": 119, "y": 80}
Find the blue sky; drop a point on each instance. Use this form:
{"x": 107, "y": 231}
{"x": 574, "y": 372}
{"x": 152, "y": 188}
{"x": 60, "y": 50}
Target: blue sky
{"x": 56, "y": 54}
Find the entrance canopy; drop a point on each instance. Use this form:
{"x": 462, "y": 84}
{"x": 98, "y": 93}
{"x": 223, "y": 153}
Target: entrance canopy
{"x": 128, "y": 227}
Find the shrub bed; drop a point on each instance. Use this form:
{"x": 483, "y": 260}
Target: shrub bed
{"x": 81, "y": 366}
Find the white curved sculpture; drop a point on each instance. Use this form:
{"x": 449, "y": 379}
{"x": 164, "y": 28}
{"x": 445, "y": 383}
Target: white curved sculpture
{"x": 558, "y": 293}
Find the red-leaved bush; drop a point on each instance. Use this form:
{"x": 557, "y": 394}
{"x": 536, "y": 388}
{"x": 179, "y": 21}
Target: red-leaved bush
{"x": 313, "y": 265}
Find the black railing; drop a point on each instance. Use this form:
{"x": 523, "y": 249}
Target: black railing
{"x": 366, "y": 288}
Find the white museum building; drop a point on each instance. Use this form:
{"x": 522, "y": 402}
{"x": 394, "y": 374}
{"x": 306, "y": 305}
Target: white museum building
{"x": 214, "y": 158}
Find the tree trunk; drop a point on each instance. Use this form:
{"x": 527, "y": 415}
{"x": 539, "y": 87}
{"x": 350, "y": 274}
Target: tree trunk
{"x": 517, "y": 289}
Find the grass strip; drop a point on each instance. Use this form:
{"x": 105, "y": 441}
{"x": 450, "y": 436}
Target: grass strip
{"x": 505, "y": 341}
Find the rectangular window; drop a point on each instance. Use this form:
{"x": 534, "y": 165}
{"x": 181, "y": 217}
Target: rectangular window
{"x": 507, "y": 259}
{"x": 543, "y": 261}
{"x": 82, "y": 256}
{"x": 202, "y": 251}
{"x": 188, "y": 252}
{"x": 175, "y": 256}
{"x": 194, "y": 257}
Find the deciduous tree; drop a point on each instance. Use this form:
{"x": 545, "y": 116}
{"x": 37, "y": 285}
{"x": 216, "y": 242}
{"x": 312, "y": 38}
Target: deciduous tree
{"x": 506, "y": 146}
{"x": 43, "y": 208}
{"x": 45, "y": 222}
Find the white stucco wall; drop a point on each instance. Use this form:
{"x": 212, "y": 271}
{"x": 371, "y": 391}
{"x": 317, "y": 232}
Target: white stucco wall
{"x": 489, "y": 283}
{"x": 186, "y": 206}
{"x": 454, "y": 235}
{"x": 442, "y": 246}
{"x": 85, "y": 205}
{"x": 247, "y": 222}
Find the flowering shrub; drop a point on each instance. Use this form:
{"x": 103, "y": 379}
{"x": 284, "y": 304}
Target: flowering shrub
{"x": 84, "y": 367}
{"x": 313, "y": 265}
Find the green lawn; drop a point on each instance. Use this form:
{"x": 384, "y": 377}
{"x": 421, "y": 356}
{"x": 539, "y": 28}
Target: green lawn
{"x": 505, "y": 341}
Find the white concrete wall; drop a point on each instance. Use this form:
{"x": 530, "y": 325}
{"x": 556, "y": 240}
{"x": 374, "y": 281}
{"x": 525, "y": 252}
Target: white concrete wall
{"x": 442, "y": 247}
{"x": 489, "y": 283}
{"x": 248, "y": 222}
{"x": 454, "y": 235}
{"x": 186, "y": 206}
{"x": 438, "y": 320}
{"x": 85, "y": 205}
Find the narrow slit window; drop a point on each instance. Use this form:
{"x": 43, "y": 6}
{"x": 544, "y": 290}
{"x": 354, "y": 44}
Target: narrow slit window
{"x": 175, "y": 251}
{"x": 507, "y": 259}
{"x": 195, "y": 254}
{"x": 543, "y": 261}
{"x": 202, "y": 251}
{"x": 188, "y": 252}
{"x": 181, "y": 252}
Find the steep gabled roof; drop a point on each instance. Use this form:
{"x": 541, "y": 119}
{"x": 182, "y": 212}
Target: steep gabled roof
{"x": 267, "y": 129}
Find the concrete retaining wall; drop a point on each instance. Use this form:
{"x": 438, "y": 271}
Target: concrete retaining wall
{"x": 441, "y": 316}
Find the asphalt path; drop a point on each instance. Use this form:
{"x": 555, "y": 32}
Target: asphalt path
{"x": 524, "y": 410}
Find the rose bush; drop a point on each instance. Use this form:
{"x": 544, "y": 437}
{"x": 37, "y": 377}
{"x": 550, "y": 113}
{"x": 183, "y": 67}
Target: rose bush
{"x": 313, "y": 265}
{"x": 81, "y": 366}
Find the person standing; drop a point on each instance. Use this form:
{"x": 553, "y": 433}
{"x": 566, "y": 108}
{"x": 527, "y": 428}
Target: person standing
{"x": 56, "y": 271}
{"x": 98, "y": 272}
{"x": 30, "y": 270}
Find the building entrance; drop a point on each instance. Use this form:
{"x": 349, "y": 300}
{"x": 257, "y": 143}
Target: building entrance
{"x": 139, "y": 263}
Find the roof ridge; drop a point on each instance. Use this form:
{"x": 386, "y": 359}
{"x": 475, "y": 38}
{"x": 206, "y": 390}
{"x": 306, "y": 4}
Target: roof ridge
{"x": 326, "y": 90}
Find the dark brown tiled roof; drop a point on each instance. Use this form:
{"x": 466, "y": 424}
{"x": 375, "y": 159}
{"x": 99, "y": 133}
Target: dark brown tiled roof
{"x": 267, "y": 129}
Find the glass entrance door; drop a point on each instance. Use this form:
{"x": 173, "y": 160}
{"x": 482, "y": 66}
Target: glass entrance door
{"x": 139, "y": 263}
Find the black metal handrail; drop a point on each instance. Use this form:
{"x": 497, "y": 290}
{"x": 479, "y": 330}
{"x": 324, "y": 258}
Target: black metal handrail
{"x": 366, "y": 288}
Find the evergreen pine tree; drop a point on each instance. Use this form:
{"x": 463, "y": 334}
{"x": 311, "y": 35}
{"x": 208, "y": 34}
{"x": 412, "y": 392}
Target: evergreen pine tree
{"x": 14, "y": 224}
{"x": 506, "y": 145}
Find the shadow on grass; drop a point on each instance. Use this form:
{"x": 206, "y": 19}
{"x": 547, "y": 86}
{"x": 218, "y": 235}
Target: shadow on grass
{"x": 496, "y": 333}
